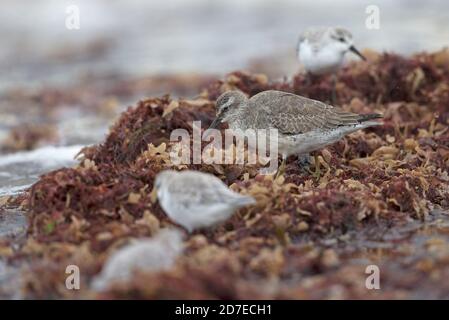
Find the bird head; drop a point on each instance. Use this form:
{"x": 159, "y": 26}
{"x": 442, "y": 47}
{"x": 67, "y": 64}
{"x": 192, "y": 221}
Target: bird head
{"x": 227, "y": 107}
{"x": 341, "y": 40}
{"x": 159, "y": 182}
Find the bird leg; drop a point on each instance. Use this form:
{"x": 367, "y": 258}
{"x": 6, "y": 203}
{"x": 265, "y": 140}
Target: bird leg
{"x": 317, "y": 166}
{"x": 281, "y": 169}
{"x": 304, "y": 160}
{"x": 317, "y": 173}
{"x": 334, "y": 89}
{"x": 304, "y": 163}
{"x": 308, "y": 79}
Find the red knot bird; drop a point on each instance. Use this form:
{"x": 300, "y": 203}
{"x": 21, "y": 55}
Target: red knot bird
{"x": 303, "y": 125}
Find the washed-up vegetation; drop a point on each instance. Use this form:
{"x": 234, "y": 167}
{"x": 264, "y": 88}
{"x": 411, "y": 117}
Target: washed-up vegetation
{"x": 382, "y": 198}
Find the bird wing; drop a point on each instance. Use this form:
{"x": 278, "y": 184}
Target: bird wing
{"x": 292, "y": 114}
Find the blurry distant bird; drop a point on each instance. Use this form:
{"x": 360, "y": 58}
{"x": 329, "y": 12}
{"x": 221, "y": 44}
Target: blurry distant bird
{"x": 153, "y": 254}
{"x": 321, "y": 50}
{"x": 196, "y": 200}
{"x": 304, "y": 125}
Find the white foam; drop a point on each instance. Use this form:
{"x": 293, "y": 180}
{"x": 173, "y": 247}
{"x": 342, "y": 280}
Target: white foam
{"x": 20, "y": 170}
{"x": 11, "y": 191}
{"x": 49, "y": 156}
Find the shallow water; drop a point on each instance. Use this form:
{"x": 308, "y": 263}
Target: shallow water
{"x": 12, "y": 223}
{"x": 19, "y": 170}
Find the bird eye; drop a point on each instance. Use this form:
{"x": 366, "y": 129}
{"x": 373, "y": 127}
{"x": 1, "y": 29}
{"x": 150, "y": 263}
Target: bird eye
{"x": 226, "y": 105}
{"x": 341, "y": 39}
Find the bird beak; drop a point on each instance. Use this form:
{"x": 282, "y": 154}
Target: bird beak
{"x": 213, "y": 125}
{"x": 216, "y": 122}
{"x": 153, "y": 195}
{"x": 357, "y": 52}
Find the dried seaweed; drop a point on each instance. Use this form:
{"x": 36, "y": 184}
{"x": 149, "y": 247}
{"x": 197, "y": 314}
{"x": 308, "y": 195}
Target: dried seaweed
{"x": 302, "y": 238}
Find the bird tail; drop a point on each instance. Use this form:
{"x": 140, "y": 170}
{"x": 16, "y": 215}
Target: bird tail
{"x": 368, "y": 124}
{"x": 369, "y": 116}
{"x": 245, "y": 201}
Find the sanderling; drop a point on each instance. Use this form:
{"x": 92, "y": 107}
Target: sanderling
{"x": 321, "y": 50}
{"x": 304, "y": 125}
{"x": 195, "y": 199}
{"x": 147, "y": 255}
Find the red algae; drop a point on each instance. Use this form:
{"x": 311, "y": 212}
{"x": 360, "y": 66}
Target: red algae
{"x": 305, "y": 237}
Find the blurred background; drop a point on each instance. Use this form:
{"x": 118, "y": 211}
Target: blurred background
{"x": 140, "y": 38}
{"x": 61, "y": 88}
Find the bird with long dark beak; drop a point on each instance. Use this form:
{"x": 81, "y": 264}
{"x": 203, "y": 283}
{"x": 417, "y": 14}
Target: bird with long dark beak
{"x": 303, "y": 125}
{"x": 322, "y": 50}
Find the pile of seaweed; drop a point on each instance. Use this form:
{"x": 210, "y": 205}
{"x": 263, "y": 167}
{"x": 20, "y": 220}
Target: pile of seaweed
{"x": 308, "y": 236}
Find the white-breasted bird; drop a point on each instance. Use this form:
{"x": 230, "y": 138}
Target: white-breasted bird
{"x": 195, "y": 199}
{"x": 321, "y": 50}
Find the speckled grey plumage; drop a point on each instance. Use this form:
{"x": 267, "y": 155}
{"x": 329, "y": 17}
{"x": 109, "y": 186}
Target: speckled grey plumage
{"x": 303, "y": 124}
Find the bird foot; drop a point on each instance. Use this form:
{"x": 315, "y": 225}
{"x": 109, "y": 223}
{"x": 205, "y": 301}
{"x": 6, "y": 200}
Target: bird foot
{"x": 333, "y": 97}
{"x": 281, "y": 169}
{"x": 304, "y": 163}
{"x": 304, "y": 160}
{"x": 317, "y": 173}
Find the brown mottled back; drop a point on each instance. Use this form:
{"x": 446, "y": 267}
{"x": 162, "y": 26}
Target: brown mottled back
{"x": 292, "y": 114}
